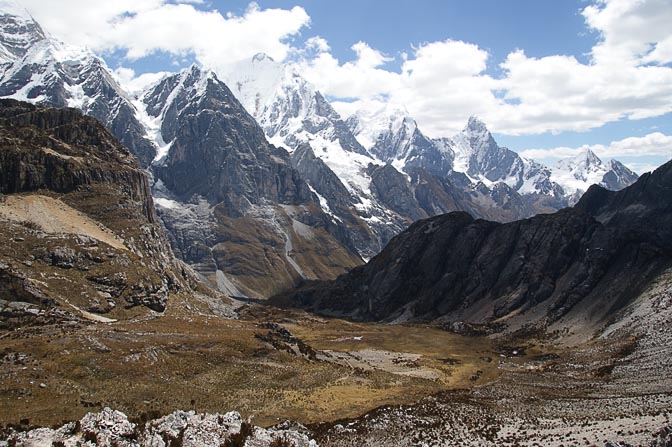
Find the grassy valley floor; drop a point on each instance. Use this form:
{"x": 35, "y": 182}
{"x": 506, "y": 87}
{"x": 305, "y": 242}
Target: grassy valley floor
{"x": 155, "y": 364}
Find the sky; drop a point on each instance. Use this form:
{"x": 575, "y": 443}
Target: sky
{"x": 549, "y": 78}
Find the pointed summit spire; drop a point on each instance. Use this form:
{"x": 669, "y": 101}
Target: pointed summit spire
{"x": 475, "y": 124}
{"x": 587, "y": 158}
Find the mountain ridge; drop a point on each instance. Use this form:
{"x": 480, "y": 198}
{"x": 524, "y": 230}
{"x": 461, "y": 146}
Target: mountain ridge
{"x": 589, "y": 260}
{"x": 356, "y": 197}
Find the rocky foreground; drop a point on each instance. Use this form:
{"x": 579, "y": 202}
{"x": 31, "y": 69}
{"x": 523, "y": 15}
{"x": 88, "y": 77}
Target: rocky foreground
{"x": 180, "y": 428}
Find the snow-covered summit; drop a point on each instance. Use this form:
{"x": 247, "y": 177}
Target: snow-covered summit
{"x": 576, "y": 174}
{"x": 292, "y": 112}
{"x": 369, "y": 123}
{"x": 253, "y": 81}
{"x": 56, "y": 73}
{"x": 18, "y": 31}
{"x": 581, "y": 165}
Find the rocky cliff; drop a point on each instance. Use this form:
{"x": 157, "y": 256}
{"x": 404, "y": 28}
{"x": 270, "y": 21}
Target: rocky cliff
{"x": 584, "y": 262}
{"x": 79, "y": 228}
{"x": 235, "y": 206}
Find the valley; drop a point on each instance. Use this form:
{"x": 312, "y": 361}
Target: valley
{"x": 212, "y": 363}
{"x": 391, "y": 383}
{"x": 226, "y": 255}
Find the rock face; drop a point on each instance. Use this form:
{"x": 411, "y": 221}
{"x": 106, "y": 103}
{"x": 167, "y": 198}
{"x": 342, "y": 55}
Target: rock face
{"x": 354, "y": 183}
{"x": 112, "y": 428}
{"x": 45, "y": 71}
{"x": 236, "y": 207}
{"x": 75, "y": 151}
{"x": 588, "y": 260}
{"x": 217, "y": 151}
{"x": 76, "y": 207}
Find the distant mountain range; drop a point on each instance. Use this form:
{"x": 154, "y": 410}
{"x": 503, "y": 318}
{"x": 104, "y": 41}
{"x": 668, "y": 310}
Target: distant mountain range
{"x": 262, "y": 184}
{"x": 576, "y": 268}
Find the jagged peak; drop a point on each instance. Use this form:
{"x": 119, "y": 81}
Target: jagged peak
{"x": 589, "y": 158}
{"x": 475, "y": 124}
{"x": 48, "y": 52}
{"x": 196, "y": 74}
{"x": 586, "y": 159}
{"x": 18, "y": 31}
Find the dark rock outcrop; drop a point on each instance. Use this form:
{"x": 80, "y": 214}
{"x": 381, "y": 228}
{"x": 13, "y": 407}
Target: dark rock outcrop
{"x": 76, "y": 203}
{"x": 61, "y": 150}
{"x": 394, "y": 191}
{"x": 218, "y": 150}
{"x": 240, "y": 212}
{"x": 591, "y": 259}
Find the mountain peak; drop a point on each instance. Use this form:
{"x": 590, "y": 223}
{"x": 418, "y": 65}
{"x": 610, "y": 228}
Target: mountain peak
{"x": 261, "y": 57}
{"x": 589, "y": 158}
{"x": 475, "y": 124}
{"x": 18, "y": 31}
{"x": 13, "y": 8}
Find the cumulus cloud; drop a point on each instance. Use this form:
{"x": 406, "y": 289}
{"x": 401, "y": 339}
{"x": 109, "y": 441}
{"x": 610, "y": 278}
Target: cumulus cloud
{"x": 360, "y": 78}
{"x": 442, "y": 83}
{"x": 142, "y": 27}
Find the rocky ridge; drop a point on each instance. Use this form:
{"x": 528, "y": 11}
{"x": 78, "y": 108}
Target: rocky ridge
{"x": 186, "y": 428}
{"x": 80, "y": 231}
{"x": 263, "y": 219}
{"x": 584, "y": 262}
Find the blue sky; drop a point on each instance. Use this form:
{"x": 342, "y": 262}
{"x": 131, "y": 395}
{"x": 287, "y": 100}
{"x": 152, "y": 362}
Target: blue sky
{"x": 548, "y": 77}
{"x": 541, "y": 27}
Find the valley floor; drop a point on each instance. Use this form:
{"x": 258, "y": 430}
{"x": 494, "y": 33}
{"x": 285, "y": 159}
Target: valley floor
{"x": 351, "y": 383}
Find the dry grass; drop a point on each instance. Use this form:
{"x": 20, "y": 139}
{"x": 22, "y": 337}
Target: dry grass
{"x": 214, "y": 364}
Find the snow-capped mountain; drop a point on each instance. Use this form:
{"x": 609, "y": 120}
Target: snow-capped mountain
{"x": 390, "y": 134}
{"x": 18, "y": 32}
{"x": 293, "y": 113}
{"x": 53, "y": 73}
{"x": 577, "y": 174}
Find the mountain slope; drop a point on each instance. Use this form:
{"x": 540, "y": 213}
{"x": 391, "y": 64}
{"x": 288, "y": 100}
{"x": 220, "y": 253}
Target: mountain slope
{"x": 18, "y": 32}
{"x": 46, "y": 71}
{"x": 234, "y": 205}
{"x": 293, "y": 113}
{"x": 589, "y": 260}
{"x": 79, "y": 230}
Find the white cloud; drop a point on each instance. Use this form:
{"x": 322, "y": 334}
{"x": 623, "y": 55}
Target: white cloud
{"x": 630, "y": 30}
{"x": 317, "y": 43}
{"x": 362, "y": 77}
{"x": 133, "y": 84}
{"x": 442, "y": 83}
{"x": 142, "y": 27}
{"x": 654, "y": 144}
